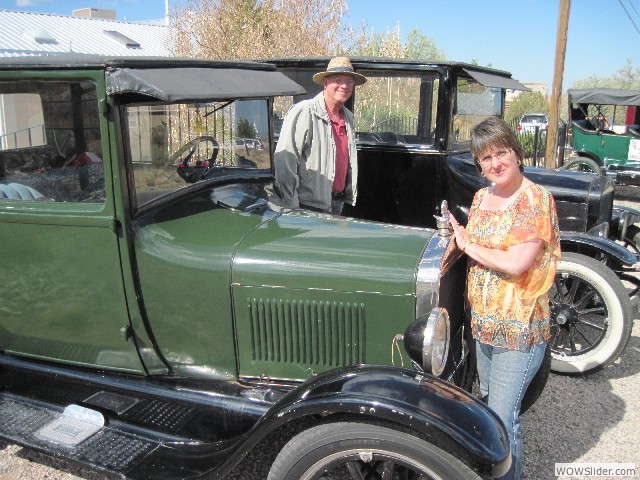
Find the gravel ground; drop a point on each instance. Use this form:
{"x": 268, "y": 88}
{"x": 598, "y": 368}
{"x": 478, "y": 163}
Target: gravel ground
{"x": 593, "y": 419}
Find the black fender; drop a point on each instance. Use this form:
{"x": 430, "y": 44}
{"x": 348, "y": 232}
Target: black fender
{"x": 438, "y": 410}
{"x": 592, "y": 244}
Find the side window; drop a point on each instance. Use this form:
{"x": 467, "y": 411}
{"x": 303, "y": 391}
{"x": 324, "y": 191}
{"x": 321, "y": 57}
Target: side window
{"x": 50, "y": 142}
{"x": 474, "y": 103}
{"x": 401, "y": 109}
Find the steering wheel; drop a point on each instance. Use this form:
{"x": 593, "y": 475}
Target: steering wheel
{"x": 193, "y": 170}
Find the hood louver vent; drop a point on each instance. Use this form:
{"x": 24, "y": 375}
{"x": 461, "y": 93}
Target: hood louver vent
{"x": 312, "y": 333}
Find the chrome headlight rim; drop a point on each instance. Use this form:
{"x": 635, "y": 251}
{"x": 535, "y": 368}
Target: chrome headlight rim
{"x": 427, "y": 340}
{"x": 435, "y": 349}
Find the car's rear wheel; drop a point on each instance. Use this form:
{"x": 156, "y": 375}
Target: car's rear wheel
{"x": 581, "y": 164}
{"x": 347, "y": 450}
{"x": 591, "y": 317}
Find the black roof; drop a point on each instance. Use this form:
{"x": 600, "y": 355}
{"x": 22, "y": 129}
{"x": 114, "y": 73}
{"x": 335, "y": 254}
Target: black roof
{"x": 197, "y": 80}
{"x": 79, "y": 60}
{"x": 487, "y": 76}
{"x": 604, "y": 96}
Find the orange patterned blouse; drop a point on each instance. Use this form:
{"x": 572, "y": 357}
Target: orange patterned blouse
{"x": 513, "y": 312}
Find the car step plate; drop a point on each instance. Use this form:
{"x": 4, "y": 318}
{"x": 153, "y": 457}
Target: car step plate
{"x": 38, "y": 425}
{"x": 75, "y": 425}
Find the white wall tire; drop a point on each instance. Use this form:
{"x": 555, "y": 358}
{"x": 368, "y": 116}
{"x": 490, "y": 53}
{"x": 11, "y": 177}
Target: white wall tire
{"x": 591, "y": 316}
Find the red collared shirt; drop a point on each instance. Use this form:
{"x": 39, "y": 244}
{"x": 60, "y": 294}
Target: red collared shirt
{"x": 342, "y": 152}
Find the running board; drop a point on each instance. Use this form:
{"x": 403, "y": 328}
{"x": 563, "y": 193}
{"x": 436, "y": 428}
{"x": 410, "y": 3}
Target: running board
{"x": 76, "y": 434}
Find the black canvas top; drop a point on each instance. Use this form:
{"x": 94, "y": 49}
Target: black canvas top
{"x": 169, "y": 79}
{"x": 604, "y": 96}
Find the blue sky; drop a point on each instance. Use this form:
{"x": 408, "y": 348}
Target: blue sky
{"x": 517, "y": 35}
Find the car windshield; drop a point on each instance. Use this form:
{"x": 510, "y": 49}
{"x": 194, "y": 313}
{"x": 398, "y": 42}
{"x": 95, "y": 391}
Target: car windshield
{"x": 534, "y": 119}
{"x": 172, "y": 146}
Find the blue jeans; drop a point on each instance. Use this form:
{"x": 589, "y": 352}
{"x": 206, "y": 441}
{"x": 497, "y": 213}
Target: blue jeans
{"x": 504, "y": 377}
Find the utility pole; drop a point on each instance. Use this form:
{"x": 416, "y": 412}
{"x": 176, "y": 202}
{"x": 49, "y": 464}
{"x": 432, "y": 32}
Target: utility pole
{"x": 556, "y": 90}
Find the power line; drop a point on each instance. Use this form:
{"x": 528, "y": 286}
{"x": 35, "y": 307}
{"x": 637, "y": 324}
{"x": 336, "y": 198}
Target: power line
{"x": 634, "y": 8}
{"x": 630, "y": 19}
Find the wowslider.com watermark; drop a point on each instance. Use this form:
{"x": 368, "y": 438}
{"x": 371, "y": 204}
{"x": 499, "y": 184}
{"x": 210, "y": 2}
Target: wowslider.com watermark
{"x": 595, "y": 470}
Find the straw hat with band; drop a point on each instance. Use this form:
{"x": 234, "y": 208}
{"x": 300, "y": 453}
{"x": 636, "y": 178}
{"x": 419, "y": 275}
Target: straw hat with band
{"x": 340, "y": 66}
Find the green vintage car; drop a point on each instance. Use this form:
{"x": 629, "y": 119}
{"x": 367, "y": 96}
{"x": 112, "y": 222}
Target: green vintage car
{"x": 163, "y": 317}
{"x": 605, "y": 133}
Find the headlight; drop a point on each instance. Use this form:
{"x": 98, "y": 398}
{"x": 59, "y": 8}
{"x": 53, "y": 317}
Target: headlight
{"x": 427, "y": 341}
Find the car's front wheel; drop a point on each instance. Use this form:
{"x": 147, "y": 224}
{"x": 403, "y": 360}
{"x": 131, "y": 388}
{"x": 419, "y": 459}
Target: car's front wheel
{"x": 591, "y": 317}
{"x": 346, "y": 450}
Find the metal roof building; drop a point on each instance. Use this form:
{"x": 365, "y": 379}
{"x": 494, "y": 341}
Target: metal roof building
{"x": 26, "y": 33}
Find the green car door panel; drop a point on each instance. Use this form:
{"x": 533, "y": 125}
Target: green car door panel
{"x": 62, "y": 295}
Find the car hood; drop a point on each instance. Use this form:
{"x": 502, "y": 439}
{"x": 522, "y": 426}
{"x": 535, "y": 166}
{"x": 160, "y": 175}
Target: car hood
{"x": 307, "y": 250}
{"x": 572, "y": 191}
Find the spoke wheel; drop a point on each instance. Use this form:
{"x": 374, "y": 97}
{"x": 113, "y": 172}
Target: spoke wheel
{"x": 581, "y": 164}
{"x": 591, "y": 315}
{"x": 350, "y": 451}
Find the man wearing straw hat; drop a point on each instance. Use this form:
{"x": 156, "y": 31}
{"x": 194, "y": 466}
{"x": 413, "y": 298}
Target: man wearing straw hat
{"x": 315, "y": 159}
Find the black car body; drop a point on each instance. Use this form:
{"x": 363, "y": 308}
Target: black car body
{"x": 413, "y": 120}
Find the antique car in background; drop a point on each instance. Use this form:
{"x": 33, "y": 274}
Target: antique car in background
{"x": 162, "y": 317}
{"x": 414, "y": 119}
{"x": 605, "y": 133}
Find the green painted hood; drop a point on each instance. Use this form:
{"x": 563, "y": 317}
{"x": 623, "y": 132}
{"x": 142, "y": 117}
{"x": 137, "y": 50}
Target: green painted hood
{"x": 306, "y": 250}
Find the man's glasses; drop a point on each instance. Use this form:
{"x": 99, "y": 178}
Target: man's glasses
{"x": 499, "y": 155}
{"x": 342, "y": 81}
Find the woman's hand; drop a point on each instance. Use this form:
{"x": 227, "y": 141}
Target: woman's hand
{"x": 462, "y": 236}
{"x": 512, "y": 261}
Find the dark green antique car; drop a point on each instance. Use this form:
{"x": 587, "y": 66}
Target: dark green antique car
{"x": 162, "y": 316}
{"x": 605, "y": 133}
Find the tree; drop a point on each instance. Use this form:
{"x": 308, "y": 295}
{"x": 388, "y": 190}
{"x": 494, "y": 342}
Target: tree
{"x": 626, "y": 77}
{"x": 245, "y": 129}
{"x": 390, "y": 45}
{"x": 377, "y": 44}
{"x": 244, "y": 29}
{"x": 421, "y": 46}
{"x": 527, "y": 102}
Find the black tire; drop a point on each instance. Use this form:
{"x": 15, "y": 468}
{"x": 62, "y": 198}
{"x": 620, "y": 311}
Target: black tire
{"x": 346, "y": 450}
{"x": 582, "y": 164}
{"x": 591, "y": 318}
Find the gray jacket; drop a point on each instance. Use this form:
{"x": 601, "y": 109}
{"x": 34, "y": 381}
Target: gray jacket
{"x": 305, "y": 158}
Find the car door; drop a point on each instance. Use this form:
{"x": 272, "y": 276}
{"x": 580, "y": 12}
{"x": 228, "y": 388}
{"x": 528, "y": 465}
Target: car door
{"x": 613, "y": 147}
{"x": 61, "y": 294}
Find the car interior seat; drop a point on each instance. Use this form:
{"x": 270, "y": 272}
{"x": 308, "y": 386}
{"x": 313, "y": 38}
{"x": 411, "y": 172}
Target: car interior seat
{"x": 17, "y": 191}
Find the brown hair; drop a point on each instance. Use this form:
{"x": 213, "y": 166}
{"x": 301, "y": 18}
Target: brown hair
{"x": 494, "y": 132}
